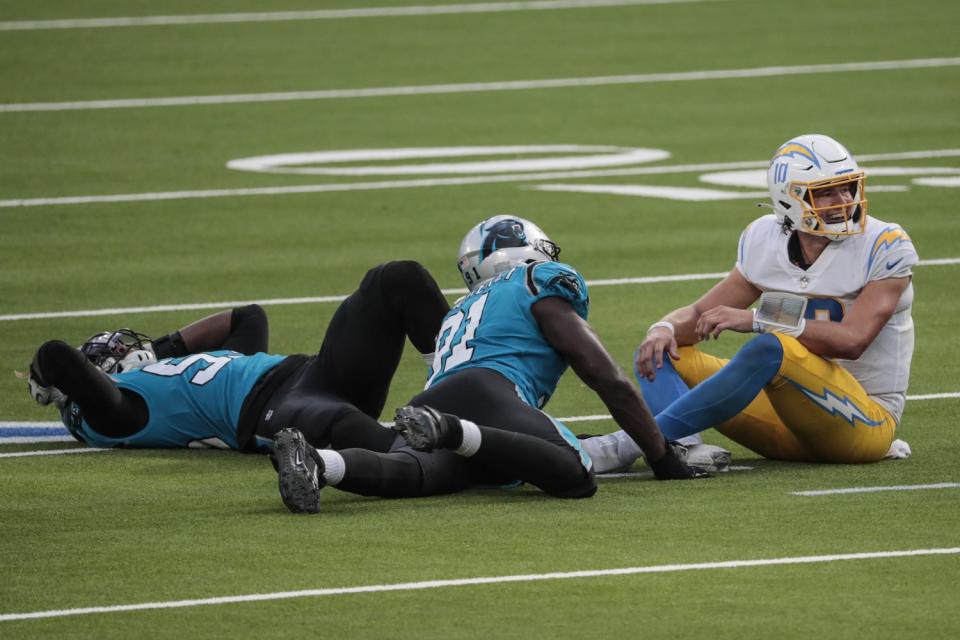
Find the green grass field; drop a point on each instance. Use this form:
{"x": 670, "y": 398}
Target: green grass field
{"x": 101, "y": 529}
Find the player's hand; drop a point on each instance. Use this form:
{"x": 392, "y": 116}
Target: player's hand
{"x": 649, "y": 355}
{"x": 671, "y": 467}
{"x": 718, "y": 319}
{"x": 41, "y": 393}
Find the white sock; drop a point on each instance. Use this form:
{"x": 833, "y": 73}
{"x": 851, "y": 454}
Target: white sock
{"x": 334, "y": 466}
{"x": 612, "y": 451}
{"x": 428, "y": 358}
{"x": 471, "y": 439}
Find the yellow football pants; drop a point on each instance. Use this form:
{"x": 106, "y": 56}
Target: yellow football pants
{"x": 812, "y": 411}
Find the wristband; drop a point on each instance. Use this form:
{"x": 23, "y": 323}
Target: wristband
{"x": 780, "y": 312}
{"x": 664, "y": 324}
{"x": 169, "y": 346}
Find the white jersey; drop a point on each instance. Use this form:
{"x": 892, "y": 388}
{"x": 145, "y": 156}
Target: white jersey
{"x": 832, "y": 284}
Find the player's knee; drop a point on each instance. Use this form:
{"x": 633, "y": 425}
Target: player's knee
{"x": 396, "y": 278}
{"x": 568, "y": 478}
{"x": 765, "y": 348}
{"x": 405, "y": 275}
{"x": 583, "y": 487}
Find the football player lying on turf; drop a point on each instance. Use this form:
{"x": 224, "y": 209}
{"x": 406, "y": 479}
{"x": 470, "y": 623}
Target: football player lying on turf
{"x": 215, "y": 384}
{"x": 826, "y": 379}
{"x": 499, "y": 355}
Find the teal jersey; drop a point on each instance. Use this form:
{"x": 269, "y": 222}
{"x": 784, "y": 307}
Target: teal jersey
{"x": 195, "y": 399}
{"x": 493, "y": 327}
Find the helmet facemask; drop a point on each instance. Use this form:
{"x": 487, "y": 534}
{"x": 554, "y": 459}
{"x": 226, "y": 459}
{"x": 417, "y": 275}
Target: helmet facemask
{"x": 107, "y": 350}
{"x": 821, "y": 215}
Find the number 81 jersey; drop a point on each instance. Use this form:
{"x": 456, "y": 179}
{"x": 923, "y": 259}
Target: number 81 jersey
{"x": 192, "y": 399}
{"x": 493, "y": 328}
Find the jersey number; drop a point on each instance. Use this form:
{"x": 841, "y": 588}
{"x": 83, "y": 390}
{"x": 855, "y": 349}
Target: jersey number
{"x": 824, "y": 309}
{"x": 451, "y": 355}
{"x": 201, "y": 377}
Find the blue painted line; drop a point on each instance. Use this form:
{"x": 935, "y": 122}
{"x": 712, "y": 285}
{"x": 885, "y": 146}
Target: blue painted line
{"x": 32, "y": 432}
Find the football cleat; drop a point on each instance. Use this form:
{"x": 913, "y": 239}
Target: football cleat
{"x": 423, "y": 428}
{"x": 705, "y": 457}
{"x": 300, "y": 470}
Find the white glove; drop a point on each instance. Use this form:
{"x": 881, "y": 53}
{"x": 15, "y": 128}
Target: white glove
{"x": 43, "y": 395}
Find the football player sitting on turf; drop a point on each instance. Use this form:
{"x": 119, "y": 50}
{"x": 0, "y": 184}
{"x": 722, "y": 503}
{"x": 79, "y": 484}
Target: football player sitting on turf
{"x": 826, "y": 379}
{"x": 499, "y": 355}
{"x": 212, "y": 383}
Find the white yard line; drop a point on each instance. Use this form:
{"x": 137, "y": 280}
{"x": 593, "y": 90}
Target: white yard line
{"x": 51, "y": 452}
{"x": 9, "y": 424}
{"x": 475, "y": 87}
{"x": 199, "y": 306}
{"x": 434, "y": 182}
{"x": 37, "y": 439}
{"x": 934, "y": 396}
{"x": 649, "y": 474}
{"x": 325, "y": 14}
{"x": 902, "y": 487}
{"x": 463, "y": 582}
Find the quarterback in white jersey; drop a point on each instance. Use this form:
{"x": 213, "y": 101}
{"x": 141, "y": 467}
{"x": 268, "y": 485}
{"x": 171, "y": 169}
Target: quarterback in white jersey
{"x": 826, "y": 380}
{"x": 832, "y": 286}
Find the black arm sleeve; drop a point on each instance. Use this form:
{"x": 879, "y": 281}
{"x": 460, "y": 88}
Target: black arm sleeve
{"x": 249, "y": 331}
{"x": 107, "y": 409}
{"x": 248, "y": 334}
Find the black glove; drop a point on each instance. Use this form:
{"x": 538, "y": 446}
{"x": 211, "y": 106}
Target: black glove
{"x": 671, "y": 467}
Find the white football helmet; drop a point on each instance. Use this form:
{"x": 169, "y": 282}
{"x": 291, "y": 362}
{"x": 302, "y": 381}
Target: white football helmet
{"x": 807, "y": 166}
{"x": 500, "y": 243}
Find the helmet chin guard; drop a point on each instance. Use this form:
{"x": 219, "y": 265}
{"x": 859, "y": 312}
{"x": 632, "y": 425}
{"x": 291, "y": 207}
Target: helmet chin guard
{"x": 816, "y": 186}
{"x": 500, "y": 243}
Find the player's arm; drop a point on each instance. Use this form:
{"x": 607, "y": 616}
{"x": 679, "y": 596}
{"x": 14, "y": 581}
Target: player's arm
{"x": 723, "y": 306}
{"x": 243, "y": 329}
{"x": 852, "y": 336}
{"x": 576, "y": 341}
{"x": 106, "y": 408}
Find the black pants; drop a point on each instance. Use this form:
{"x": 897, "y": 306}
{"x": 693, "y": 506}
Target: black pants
{"x": 519, "y": 443}
{"x": 337, "y": 396}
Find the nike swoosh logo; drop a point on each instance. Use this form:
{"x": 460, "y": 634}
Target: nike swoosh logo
{"x": 891, "y": 265}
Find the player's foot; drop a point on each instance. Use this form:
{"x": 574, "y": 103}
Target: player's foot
{"x": 300, "y": 470}
{"x": 705, "y": 457}
{"x": 425, "y": 428}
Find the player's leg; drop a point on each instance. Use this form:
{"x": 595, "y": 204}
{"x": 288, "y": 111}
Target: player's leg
{"x": 504, "y": 438}
{"x": 304, "y": 470}
{"x": 757, "y": 426}
{"x": 727, "y": 392}
{"x": 700, "y": 391}
{"x": 365, "y": 338}
{"x": 324, "y": 419}
{"x": 826, "y": 408}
